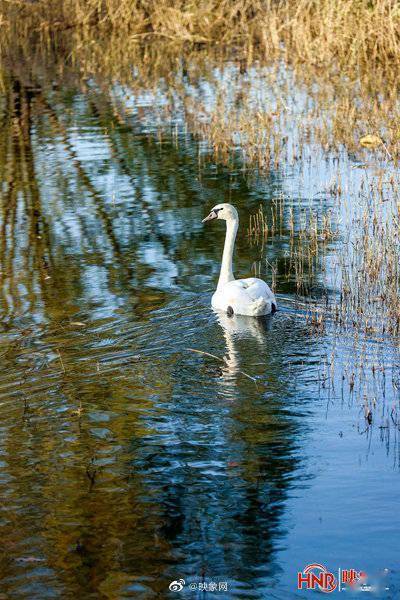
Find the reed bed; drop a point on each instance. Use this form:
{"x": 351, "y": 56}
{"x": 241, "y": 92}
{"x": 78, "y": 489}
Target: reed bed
{"x": 358, "y": 265}
{"x": 346, "y": 53}
{"x": 304, "y": 232}
{"x": 356, "y": 33}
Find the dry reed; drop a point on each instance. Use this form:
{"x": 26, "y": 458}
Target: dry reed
{"x": 351, "y": 34}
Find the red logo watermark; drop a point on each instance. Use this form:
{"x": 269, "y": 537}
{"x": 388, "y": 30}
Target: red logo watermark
{"x": 316, "y": 576}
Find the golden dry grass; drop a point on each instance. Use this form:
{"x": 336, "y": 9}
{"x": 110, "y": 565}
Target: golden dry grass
{"x": 346, "y": 51}
{"x": 351, "y": 34}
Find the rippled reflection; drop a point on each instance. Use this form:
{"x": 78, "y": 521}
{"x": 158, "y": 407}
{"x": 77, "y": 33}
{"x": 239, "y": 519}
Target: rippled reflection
{"x": 127, "y": 460}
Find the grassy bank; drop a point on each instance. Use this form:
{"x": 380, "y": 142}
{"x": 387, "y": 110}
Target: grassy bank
{"x": 353, "y": 34}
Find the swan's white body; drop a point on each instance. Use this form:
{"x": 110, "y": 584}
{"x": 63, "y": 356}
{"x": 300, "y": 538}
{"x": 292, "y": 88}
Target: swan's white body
{"x": 252, "y": 296}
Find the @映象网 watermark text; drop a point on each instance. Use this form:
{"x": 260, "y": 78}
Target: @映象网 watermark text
{"x": 199, "y": 586}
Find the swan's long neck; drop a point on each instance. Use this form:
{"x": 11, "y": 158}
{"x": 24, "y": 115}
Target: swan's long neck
{"x": 226, "y": 273}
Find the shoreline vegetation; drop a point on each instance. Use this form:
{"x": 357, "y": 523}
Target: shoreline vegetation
{"x": 355, "y": 34}
{"x": 346, "y": 55}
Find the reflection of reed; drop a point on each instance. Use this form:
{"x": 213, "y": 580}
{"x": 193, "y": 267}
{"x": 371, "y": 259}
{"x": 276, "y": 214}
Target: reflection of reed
{"x": 110, "y": 485}
{"x": 27, "y": 250}
{"x": 21, "y": 200}
{"x": 83, "y": 178}
{"x": 96, "y": 485}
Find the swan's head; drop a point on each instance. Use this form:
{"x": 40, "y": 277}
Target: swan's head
{"x": 223, "y": 211}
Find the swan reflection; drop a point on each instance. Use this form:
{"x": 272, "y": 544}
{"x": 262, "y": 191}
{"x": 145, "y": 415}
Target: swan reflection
{"x": 236, "y": 328}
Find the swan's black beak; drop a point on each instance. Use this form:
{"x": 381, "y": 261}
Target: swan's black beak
{"x": 213, "y": 215}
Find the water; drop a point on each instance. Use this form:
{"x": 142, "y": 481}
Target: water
{"x": 127, "y": 460}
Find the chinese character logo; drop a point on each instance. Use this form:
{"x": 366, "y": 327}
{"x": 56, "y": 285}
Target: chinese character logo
{"x": 351, "y": 577}
{"x": 317, "y": 576}
{"x": 177, "y": 585}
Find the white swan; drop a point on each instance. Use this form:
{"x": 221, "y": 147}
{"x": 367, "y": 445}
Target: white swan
{"x": 252, "y": 296}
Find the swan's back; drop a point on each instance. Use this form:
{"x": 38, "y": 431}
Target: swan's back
{"x": 251, "y": 296}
